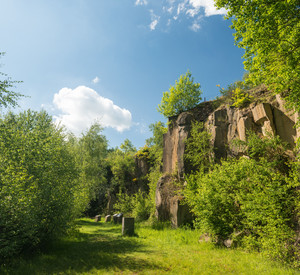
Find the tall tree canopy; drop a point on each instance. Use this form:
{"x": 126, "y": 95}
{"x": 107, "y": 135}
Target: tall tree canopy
{"x": 184, "y": 95}
{"x": 269, "y": 31}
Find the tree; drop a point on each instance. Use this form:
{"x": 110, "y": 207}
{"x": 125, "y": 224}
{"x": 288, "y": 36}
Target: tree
{"x": 269, "y": 32}
{"x": 158, "y": 129}
{"x": 38, "y": 186}
{"x": 184, "y": 95}
{"x": 7, "y": 97}
{"x": 122, "y": 165}
{"x": 90, "y": 152}
{"x": 127, "y": 146}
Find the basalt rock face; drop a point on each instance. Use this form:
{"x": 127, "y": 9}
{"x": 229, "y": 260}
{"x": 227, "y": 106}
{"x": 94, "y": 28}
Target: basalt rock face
{"x": 225, "y": 124}
{"x": 178, "y": 132}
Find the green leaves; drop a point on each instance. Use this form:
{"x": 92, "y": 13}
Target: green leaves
{"x": 240, "y": 98}
{"x": 184, "y": 95}
{"x": 269, "y": 32}
{"x": 252, "y": 200}
{"x": 8, "y": 97}
{"x": 199, "y": 150}
{"x": 37, "y": 181}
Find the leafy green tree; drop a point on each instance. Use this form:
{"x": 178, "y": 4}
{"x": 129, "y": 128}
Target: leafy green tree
{"x": 91, "y": 152}
{"x": 158, "y": 129}
{"x": 122, "y": 165}
{"x": 269, "y": 31}
{"x": 155, "y": 143}
{"x": 7, "y": 96}
{"x": 127, "y": 146}
{"x": 184, "y": 95}
{"x": 38, "y": 186}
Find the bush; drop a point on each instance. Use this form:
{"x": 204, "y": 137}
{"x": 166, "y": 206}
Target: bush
{"x": 37, "y": 182}
{"x": 137, "y": 205}
{"x": 199, "y": 150}
{"x": 269, "y": 147}
{"x": 247, "y": 201}
{"x": 240, "y": 98}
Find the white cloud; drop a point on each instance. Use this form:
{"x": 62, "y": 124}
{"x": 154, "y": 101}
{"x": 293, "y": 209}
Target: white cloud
{"x": 164, "y": 12}
{"x": 181, "y": 7}
{"x": 154, "y": 20}
{"x": 153, "y": 24}
{"x": 208, "y": 5}
{"x": 82, "y": 106}
{"x": 141, "y": 2}
{"x": 96, "y": 80}
{"x": 195, "y": 27}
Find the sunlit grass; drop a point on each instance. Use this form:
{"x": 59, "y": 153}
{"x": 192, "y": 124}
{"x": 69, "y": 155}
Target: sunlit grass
{"x": 99, "y": 248}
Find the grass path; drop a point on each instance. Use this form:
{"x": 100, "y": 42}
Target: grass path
{"x": 99, "y": 248}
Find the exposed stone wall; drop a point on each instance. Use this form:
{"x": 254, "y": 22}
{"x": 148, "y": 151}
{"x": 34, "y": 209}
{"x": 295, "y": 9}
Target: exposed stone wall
{"x": 225, "y": 124}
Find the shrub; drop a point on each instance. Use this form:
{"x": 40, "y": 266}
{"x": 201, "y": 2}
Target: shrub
{"x": 269, "y": 147}
{"x": 240, "y": 98}
{"x": 137, "y": 205}
{"x": 249, "y": 202}
{"x": 199, "y": 150}
{"x": 37, "y": 182}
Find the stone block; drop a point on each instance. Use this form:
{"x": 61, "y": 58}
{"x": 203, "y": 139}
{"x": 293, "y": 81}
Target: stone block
{"x": 98, "y": 218}
{"x": 128, "y": 226}
{"x": 108, "y": 218}
{"x": 117, "y": 218}
{"x": 262, "y": 112}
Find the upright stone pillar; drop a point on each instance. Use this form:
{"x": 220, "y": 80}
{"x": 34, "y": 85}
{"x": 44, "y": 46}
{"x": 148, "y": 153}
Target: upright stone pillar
{"x": 98, "y": 218}
{"x": 128, "y": 226}
{"x": 108, "y": 218}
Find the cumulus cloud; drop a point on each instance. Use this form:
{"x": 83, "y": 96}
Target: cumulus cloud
{"x": 82, "y": 106}
{"x": 141, "y": 2}
{"x": 208, "y": 5}
{"x": 96, "y": 80}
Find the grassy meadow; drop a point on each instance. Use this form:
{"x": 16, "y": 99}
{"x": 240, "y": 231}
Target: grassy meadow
{"x": 99, "y": 248}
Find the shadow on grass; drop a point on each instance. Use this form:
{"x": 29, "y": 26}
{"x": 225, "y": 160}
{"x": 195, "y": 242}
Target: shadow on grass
{"x": 104, "y": 249}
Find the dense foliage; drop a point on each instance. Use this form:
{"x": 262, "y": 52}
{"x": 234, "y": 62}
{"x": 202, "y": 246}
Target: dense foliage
{"x": 184, "y": 95}
{"x": 37, "y": 182}
{"x": 269, "y": 31}
{"x": 199, "y": 149}
{"x": 90, "y": 152}
{"x": 252, "y": 200}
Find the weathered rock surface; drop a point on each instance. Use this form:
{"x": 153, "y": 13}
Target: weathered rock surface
{"x": 225, "y": 124}
{"x": 180, "y": 213}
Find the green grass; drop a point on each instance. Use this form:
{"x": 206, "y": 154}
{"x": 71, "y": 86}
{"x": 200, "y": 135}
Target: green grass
{"x": 99, "y": 248}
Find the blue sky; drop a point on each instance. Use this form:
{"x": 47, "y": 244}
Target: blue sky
{"x": 111, "y": 60}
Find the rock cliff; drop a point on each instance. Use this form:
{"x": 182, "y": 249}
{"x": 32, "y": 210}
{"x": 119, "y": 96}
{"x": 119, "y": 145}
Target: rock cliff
{"x": 225, "y": 124}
